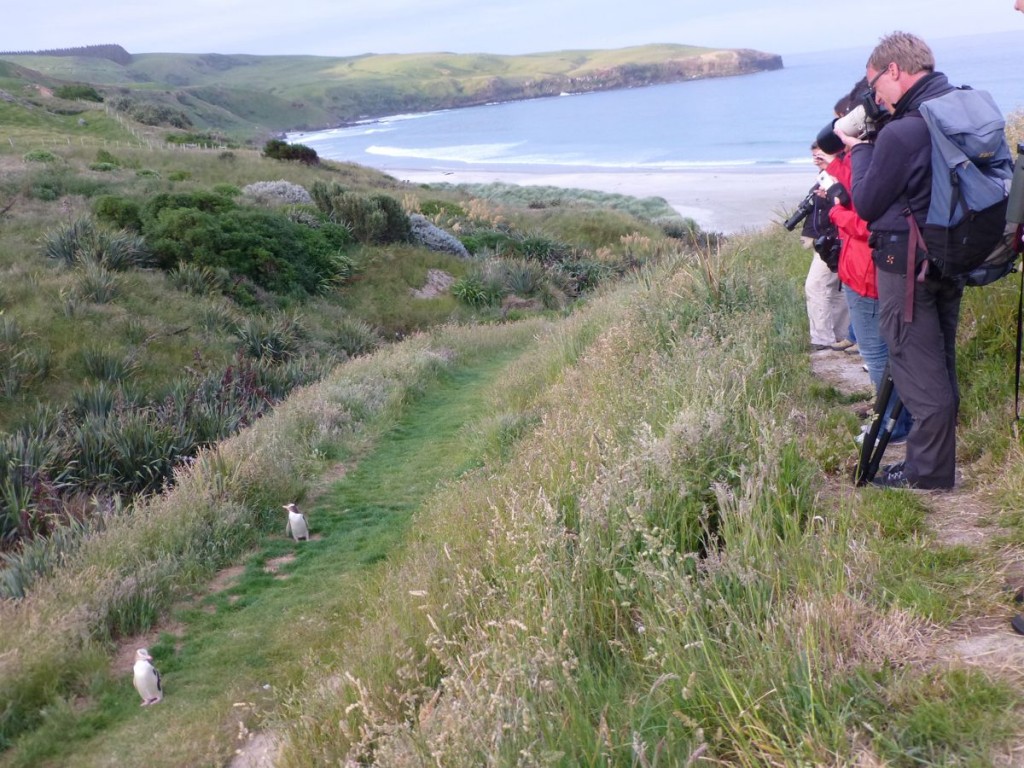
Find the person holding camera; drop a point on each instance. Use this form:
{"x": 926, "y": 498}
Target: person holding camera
{"x": 891, "y": 176}
{"x": 827, "y": 313}
{"x": 856, "y": 267}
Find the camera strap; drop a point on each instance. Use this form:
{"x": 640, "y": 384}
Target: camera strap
{"x": 914, "y": 242}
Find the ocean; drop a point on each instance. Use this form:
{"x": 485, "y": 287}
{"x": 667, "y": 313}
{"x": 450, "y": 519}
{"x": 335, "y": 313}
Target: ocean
{"x": 765, "y": 120}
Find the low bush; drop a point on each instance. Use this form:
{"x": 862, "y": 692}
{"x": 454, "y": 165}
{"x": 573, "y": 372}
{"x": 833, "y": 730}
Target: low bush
{"x": 77, "y": 91}
{"x": 267, "y": 248}
{"x": 119, "y": 212}
{"x": 39, "y": 156}
{"x": 282, "y": 150}
{"x": 279, "y": 192}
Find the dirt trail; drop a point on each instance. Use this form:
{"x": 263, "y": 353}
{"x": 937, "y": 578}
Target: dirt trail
{"x": 960, "y": 517}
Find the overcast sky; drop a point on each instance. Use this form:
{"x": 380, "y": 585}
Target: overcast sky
{"x": 350, "y": 27}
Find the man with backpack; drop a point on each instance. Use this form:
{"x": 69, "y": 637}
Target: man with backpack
{"x": 892, "y": 176}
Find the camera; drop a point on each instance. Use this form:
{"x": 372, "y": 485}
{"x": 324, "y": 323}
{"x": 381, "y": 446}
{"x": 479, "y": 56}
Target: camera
{"x": 825, "y": 181}
{"x": 802, "y": 211}
{"x": 828, "y": 247}
{"x": 864, "y": 121}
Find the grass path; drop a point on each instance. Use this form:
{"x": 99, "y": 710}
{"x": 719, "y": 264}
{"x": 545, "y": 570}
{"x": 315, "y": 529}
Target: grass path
{"x": 228, "y": 652}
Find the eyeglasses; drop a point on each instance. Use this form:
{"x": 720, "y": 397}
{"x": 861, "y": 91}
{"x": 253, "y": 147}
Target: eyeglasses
{"x": 871, "y": 84}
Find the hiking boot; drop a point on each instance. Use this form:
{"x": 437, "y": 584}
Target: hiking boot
{"x": 1017, "y": 622}
{"x": 896, "y": 478}
{"x": 819, "y": 347}
{"x": 853, "y": 349}
{"x": 840, "y": 346}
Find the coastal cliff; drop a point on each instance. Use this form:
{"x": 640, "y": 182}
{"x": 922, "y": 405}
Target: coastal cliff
{"x": 725, "y": 63}
{"x": 254, "y": 97}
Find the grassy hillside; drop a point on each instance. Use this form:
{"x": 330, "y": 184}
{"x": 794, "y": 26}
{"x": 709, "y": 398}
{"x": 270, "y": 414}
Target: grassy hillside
{"x": 153, "y": 301}
{"x": 609, "y": 523}
{"x": 245, "y": 97}
{"x": 622, "y": 537}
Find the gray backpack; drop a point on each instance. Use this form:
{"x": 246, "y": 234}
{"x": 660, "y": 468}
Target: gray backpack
{"x": 965, "y": 232}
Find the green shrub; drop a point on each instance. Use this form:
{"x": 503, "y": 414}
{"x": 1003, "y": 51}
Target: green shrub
{"x": 79, "y": 91}
{"x": 539, "y": 247}
{"x": 179, "y": 176}
{"x": 119, "y": 212}
{"x": 262, "y": 246}
{"x": 102, "y": 167}
{"x": 282, "y": 150}
{"x": 354, "y": 336}
{"x": 226, "y": 190}
{"x": 442, "y": 208}
{"x": 372, "y": 219}
{"x": 492, "y": 240}
{"x": 103, "y": 156}
{"x": 40, "y": 156}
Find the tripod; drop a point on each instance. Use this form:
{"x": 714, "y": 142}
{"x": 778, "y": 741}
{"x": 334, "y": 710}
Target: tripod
{"x": 878, "y": 435}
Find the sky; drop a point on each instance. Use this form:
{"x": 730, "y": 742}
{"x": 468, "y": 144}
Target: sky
{"x": 352, "y": 27}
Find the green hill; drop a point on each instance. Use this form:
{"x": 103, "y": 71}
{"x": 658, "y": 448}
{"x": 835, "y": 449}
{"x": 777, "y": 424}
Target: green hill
{"x": 251, "y": 97}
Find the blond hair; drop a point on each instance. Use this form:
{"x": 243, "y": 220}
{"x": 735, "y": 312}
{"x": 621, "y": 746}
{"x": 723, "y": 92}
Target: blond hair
{"x": 909, "y": 52}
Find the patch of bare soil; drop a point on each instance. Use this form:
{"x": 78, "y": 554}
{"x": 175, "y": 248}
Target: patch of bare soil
{"x": 259, "y": 750}
{"x": 844, "y": 372}
{"x": 225, "y": 578}
{"x": 275, "y": 564}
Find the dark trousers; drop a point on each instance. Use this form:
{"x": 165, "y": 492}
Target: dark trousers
{"x": 922, "y": 357}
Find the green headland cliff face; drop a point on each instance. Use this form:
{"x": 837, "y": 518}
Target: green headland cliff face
{"x": 251, "y": 97}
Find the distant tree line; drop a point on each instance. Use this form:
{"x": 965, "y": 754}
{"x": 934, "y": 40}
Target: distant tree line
{"x": 115, "y": 53}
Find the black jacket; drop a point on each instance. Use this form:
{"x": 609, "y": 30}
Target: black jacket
{"x": 896, "y": 170}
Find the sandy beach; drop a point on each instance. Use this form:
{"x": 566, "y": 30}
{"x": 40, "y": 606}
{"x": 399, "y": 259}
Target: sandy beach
{"x": 728, "y": 201}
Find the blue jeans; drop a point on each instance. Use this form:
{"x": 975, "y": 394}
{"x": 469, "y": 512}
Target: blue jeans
{"x": 864, "y": 319}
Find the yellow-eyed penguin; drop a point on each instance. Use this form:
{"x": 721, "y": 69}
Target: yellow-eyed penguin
{"x": 147, "y": 679}
{"x": 297, "y": 527}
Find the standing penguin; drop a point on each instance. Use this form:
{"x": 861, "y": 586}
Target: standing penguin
{"x": 297, "y": 527}
{"x": 147, "y": 679}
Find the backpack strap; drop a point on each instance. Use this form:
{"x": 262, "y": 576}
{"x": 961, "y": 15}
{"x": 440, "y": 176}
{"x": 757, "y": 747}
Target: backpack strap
{"x": 914, "y": 241}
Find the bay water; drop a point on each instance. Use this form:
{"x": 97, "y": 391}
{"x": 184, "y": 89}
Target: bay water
{"x": 760, "y": 121}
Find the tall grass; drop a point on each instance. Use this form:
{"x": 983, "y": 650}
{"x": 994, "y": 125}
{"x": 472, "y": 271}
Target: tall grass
{"x": 652, "y": 578}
